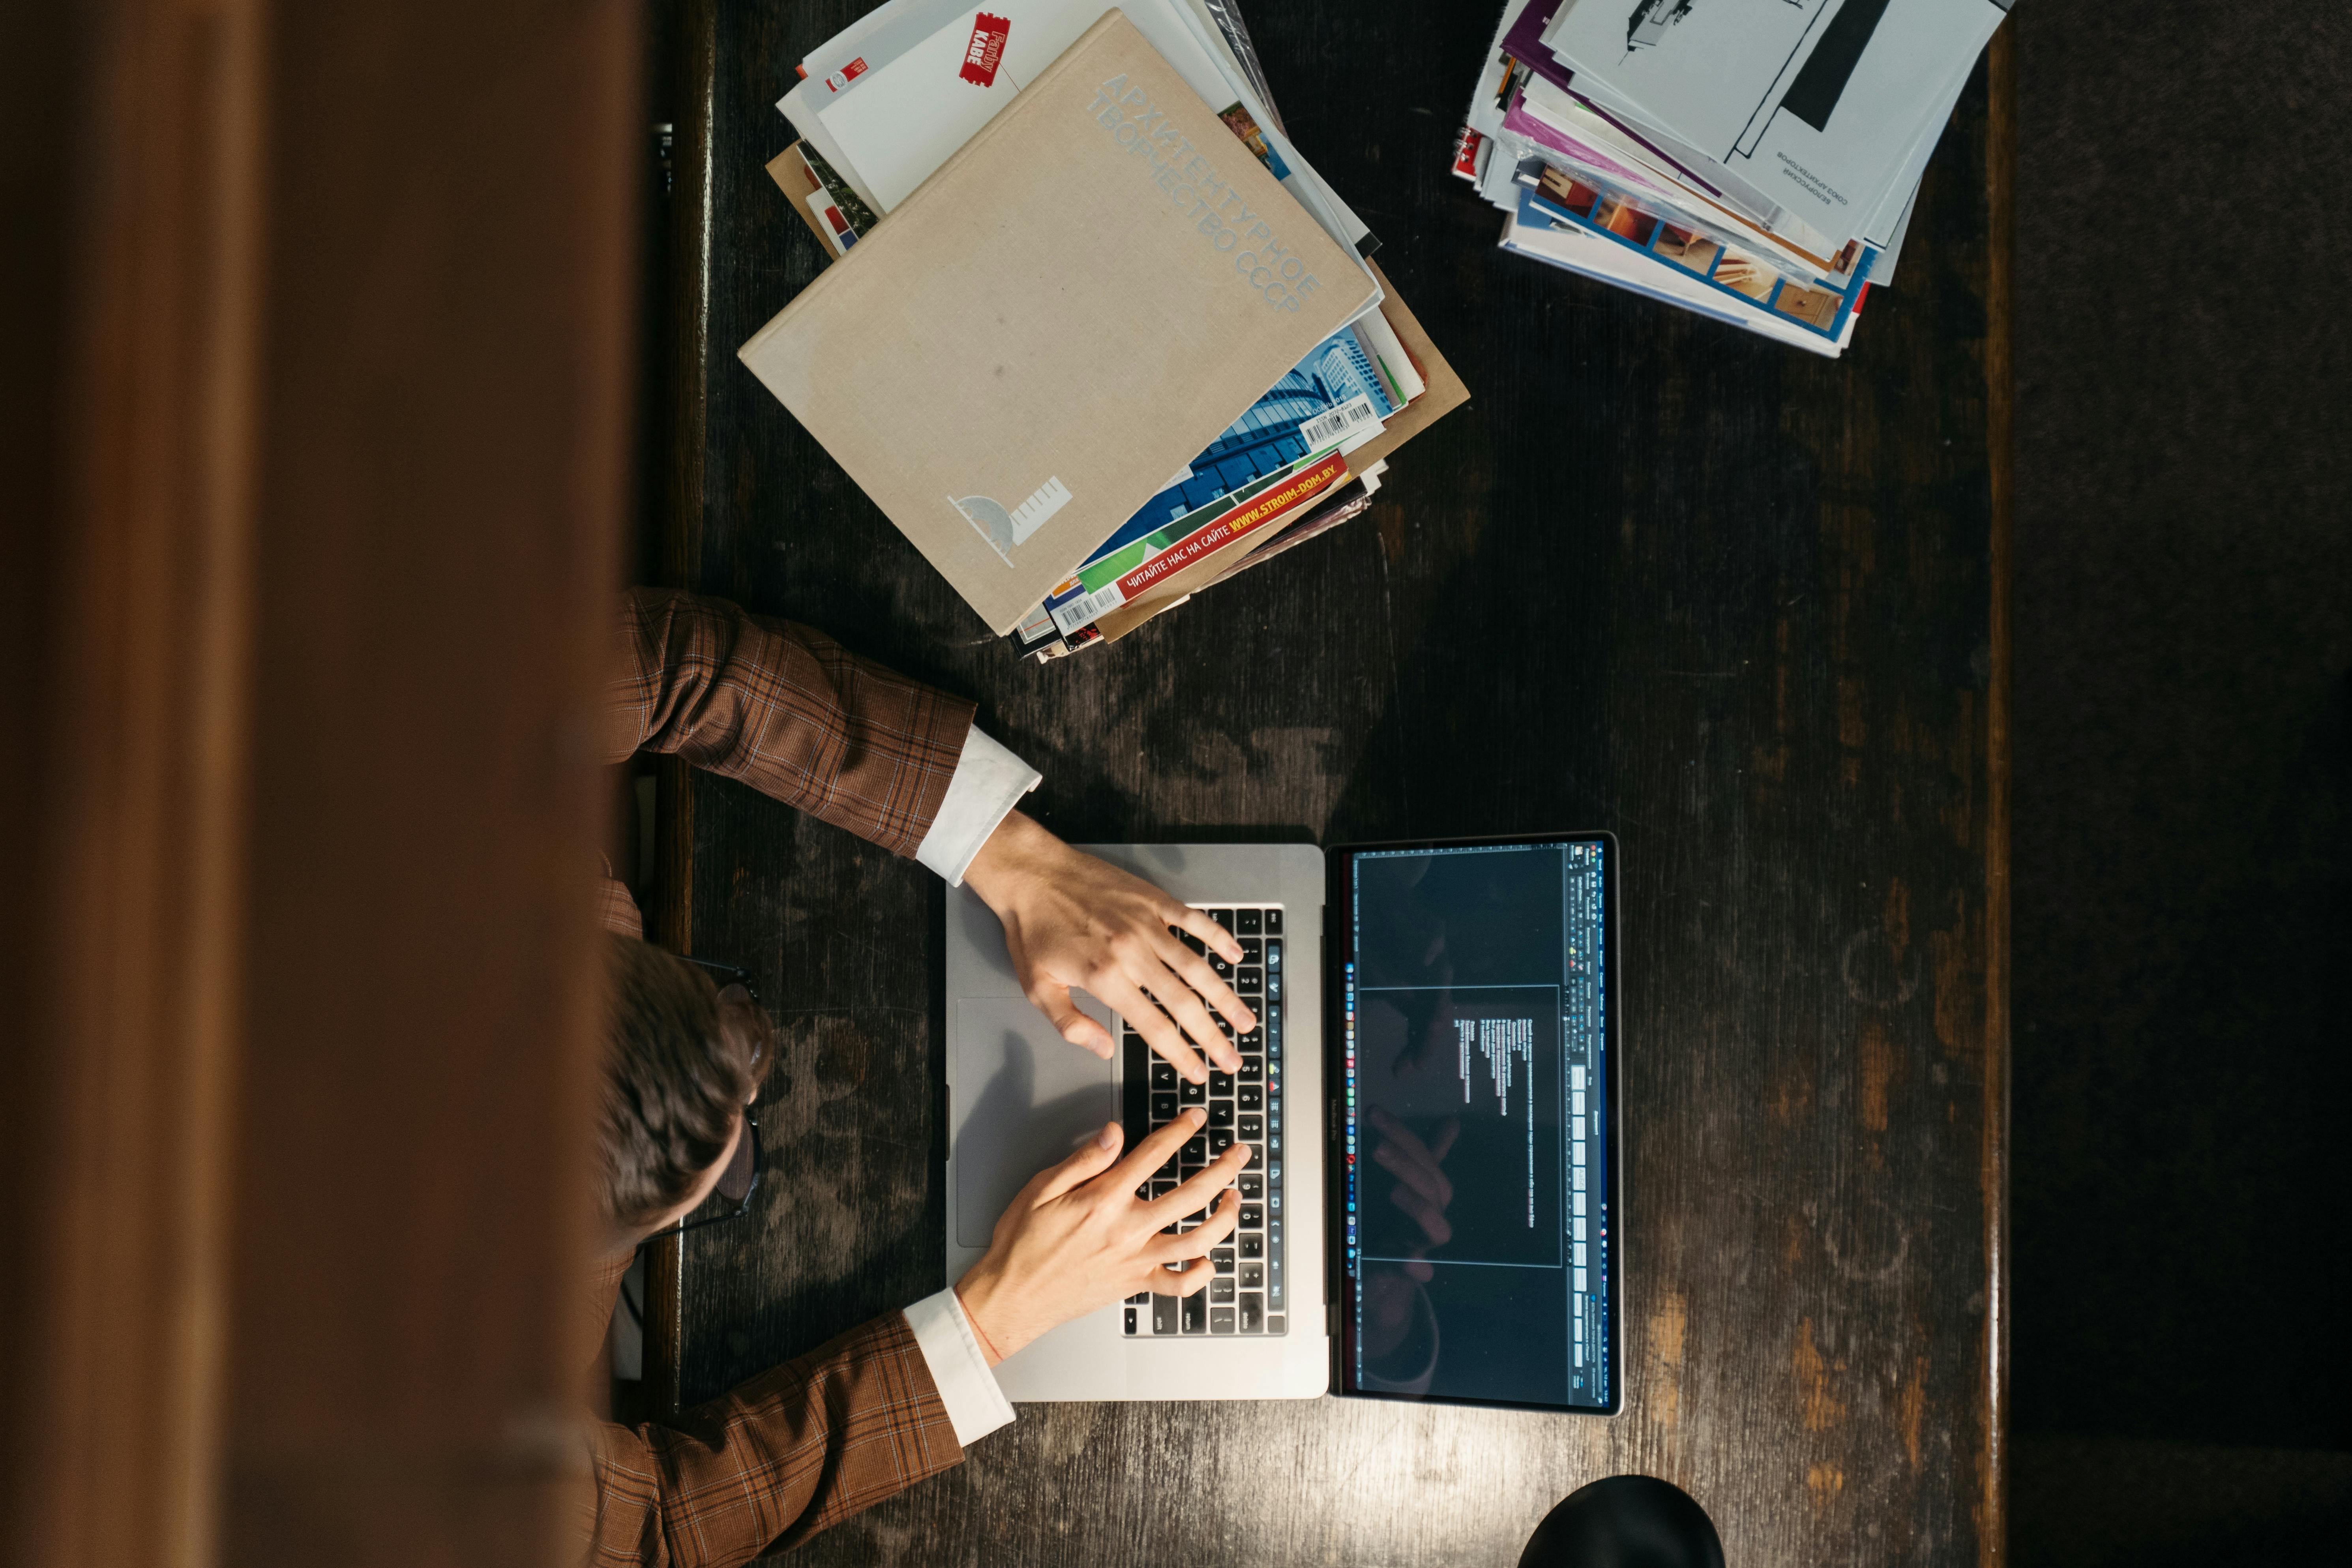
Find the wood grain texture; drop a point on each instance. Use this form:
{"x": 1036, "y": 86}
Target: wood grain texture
{"x": 129, "y": 192}
{"x": 440, "y": 482}
{"x": 1737, "y": 604}
{"x": 2001, "y": 164}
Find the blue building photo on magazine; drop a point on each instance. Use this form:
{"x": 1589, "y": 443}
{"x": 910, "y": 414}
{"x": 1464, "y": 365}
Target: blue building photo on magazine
{"x": 1336, "y": 373}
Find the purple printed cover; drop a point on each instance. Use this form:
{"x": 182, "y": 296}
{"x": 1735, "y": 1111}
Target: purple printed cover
{"x": 1524, "y": 43}
{"x": 1542, "y": 133}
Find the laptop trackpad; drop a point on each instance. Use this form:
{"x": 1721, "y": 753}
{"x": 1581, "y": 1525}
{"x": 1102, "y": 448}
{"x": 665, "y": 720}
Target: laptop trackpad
{"x": 1024, "y": 1099}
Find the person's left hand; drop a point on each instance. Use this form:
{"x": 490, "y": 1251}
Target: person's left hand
{"x": 1078, "y": 1236}
{"x": 1072, "y": 921}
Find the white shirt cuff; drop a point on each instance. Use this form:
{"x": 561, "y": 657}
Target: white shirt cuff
{"x": 967, "y": 1386}
{"x": 988, "y": 782}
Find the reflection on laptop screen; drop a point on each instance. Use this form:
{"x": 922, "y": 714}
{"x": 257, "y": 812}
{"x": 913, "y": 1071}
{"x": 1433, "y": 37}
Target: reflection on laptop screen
{"x": 1475, "y": 1186}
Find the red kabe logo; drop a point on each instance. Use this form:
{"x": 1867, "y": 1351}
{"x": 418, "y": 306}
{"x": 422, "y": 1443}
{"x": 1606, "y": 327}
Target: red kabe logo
{"x": 986, "y": 51}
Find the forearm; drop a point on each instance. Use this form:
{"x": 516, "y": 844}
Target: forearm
{"x": 788, "y": 1453}
{"x": 1010, "y": 853}
{"x": 787, "y": 711}
{"x": 977, "y": 810}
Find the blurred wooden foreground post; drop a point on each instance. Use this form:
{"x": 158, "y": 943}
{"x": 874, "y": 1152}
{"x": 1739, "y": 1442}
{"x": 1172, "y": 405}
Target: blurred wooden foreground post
{"x": 312, "y": 424}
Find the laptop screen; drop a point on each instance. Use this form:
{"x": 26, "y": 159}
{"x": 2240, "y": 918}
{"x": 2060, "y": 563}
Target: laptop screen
{"x": 1475, "y": 1186}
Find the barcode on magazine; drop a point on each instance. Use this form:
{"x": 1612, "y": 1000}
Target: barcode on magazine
{"x": 1351, "y": 419}
{"x": 1070, "y": 617}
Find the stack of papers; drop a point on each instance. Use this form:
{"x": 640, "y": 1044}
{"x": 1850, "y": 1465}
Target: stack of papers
{"x": 1061, "y": 233}
{"x": 1754, "y": 161}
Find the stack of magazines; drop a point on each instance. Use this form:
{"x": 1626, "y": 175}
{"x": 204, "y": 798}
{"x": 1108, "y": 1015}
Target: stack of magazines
{"x": 1754, "y": 161}
{"x": 887, "y": 103}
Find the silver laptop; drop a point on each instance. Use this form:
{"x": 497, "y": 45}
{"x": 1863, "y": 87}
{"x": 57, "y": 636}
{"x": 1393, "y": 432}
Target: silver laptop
{"x": 1430, "y": 1103}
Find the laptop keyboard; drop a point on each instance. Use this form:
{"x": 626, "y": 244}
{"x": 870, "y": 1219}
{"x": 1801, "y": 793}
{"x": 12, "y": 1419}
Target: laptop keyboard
{"x": 1245, "y": 1295}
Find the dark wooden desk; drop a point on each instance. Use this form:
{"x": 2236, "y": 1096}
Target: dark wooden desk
{"x": 1742, "y": 606}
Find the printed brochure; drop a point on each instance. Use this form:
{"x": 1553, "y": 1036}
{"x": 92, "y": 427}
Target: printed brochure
{"x": 1119, "y": 576}
{"x": 1623, "y": 216}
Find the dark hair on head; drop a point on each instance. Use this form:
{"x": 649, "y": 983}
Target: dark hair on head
{"x": 677, "y": 1072}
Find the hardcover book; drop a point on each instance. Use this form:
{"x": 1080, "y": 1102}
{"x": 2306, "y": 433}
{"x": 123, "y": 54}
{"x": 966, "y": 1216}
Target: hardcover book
{"x": 1063, "y": 315}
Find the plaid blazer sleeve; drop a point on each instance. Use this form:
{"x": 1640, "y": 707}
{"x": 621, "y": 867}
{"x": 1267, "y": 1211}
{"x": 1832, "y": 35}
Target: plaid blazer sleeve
{"x": 787, "y": 711}
{"x": 796, "y": 1450}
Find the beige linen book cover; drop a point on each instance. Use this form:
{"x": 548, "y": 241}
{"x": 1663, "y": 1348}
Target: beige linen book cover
{"x": 1060, "y": 318}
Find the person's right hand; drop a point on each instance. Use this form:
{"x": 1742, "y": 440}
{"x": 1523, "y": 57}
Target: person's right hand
{"x": 1077, "y": 1238}
{"x": 1072, "y": 920}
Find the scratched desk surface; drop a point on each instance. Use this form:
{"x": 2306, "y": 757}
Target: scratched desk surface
{"x": 1740, "y": 605}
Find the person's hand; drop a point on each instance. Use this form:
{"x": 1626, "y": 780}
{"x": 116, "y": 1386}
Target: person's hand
{"x": 1077, "y": 1238}
{"x": 1072, "y": 921}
